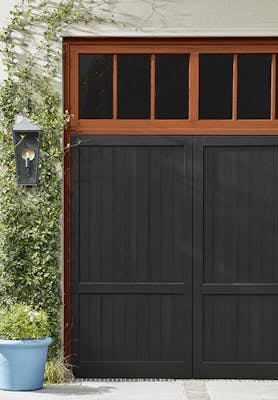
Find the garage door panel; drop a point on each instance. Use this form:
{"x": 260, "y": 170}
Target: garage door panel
{"x": 131, "y": 257}
{"x": 235, "y": 251}
{"x": 240, "y": 328}
{"x": 110, "y": 330}
{"x": 131, "y": 202}
{"x": 240, "y": 214}
{"x": 132, "y": 248}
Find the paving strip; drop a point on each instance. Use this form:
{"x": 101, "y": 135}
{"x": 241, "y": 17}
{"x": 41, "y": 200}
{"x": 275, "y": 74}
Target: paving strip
{"x": 196, "y": 389}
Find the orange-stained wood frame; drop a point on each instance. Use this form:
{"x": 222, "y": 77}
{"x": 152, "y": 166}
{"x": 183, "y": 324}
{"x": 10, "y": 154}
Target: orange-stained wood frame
{"x": 192, "y": 126}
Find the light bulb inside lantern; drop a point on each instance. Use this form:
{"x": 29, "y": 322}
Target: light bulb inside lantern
{"x": 28, "y": 154}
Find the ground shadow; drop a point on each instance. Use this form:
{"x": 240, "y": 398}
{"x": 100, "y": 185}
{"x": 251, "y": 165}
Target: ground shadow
{"x": 76, "y": 390}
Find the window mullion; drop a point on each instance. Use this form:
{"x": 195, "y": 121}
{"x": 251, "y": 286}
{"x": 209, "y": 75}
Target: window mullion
{"x": 194, "y": 87}
{"x": 115, "y": 86}
{"x": 152, "y": 86}
{"x": 273, "y": 86}
{"x": 235, "y": 83}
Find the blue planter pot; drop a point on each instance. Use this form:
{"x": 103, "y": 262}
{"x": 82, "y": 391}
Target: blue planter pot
{"x": 22, "y": 363}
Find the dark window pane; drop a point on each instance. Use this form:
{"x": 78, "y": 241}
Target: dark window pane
{"x": 95, "y": 86}
{"x": 171, "y": 87}
{"x": 254, "y": 73}
{"x": 216, "y": 86}
{"x": 277, "y": 87}
{"x": 134, "y": 86}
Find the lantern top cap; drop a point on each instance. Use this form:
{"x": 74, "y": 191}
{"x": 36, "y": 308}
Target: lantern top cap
{"x": 26, "y": 125}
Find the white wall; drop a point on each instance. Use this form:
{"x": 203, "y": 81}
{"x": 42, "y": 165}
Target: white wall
{"x": 5, "y": 7}
{"x": 181, "y": 17}
{"x": 175, "y": 18}
{"x": 191, "y": 18}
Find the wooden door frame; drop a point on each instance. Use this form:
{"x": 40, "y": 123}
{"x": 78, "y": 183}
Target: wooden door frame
{"x": 192, "y": 126}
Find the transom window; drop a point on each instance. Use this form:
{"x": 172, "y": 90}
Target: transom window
{"x": 160, "y": 84}
{"x": 133, "y": 85}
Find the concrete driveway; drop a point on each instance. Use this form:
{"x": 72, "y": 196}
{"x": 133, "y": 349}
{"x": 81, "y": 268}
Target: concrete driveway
{"x": 160, "y": 390}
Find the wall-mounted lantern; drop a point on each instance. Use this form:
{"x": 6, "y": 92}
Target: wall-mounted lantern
{"x": 26, "y": 136}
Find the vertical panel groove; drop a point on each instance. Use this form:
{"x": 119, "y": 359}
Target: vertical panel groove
{"x": 101, "y": 216}
{"x": 149, "y": 214}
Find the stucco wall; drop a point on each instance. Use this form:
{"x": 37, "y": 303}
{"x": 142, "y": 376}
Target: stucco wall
{"x": 180, "y": 17}
{"x": 191, "y": 18}
{"x": 5, "y": 7}
{"x": 174, "y": 18}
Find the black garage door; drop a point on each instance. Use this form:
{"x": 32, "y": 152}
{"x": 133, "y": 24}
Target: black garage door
{"x": 132, "y": 257}
{"x": 148, "y": 214}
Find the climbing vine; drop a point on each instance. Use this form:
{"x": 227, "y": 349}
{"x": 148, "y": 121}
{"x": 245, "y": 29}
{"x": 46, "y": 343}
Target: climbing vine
{"x": 30, "y": 218}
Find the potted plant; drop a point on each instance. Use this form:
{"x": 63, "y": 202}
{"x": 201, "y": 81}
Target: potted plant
{"x": 24, "y": 341}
